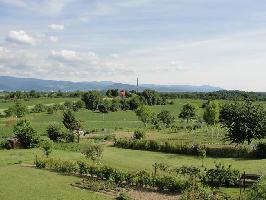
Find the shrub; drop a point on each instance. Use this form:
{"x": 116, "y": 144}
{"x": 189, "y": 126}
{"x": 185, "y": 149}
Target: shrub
{"x": 39, "y": 108}
{"x": 93, "y": 152}
{"x": 139, "y": 134}
{"x": 258, "y": 191}
{"x": 4, "y": 144}
{"x": 200, "y": 192}
{"x": 55, "y": 133}
{"x": 190, "y": 171}
{"x": 50, "y": 110}
{"x": 26, "y": 134}
{"x": 47, "y": 146}
{"x": 261, "y": 150}
{"x": 222, "y": 176}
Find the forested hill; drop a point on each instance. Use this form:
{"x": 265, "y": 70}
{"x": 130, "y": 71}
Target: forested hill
{"x": 26, "y": 84}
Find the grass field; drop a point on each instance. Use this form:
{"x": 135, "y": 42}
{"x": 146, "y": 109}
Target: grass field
{"x": 27, "y": 180}
{"x": 24, "y": 177}
{"x": 31, "y": 102}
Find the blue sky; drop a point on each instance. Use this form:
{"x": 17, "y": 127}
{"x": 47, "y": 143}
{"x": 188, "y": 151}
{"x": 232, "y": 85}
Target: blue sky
{"x": 215, "y": 42}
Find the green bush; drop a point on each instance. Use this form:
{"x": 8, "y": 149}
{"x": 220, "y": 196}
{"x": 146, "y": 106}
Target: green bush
{"x": 222, "y": 176}
{"x": 261, "y": 150}
{"x": 55, "y": 133}
{"x": 39, "y": 108}
{"x": 139, "y": 134}
{"x": 93, "y": 151}
{"x": 47, "y": 146}
{"x": 258, "y": 191}
{"x": 200, "y": 192}
{"x": 26, "y": 134}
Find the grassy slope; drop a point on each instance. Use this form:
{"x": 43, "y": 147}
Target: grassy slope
{"x": 25, "y": 183}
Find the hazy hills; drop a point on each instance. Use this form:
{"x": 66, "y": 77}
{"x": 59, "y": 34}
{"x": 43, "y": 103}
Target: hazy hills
{"x": 8, "y": 83}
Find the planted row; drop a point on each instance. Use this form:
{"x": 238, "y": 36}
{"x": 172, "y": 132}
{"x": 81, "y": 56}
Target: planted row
{"x": 141, "y": 179}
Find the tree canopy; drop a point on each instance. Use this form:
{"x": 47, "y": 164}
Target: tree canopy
{"x": 245, "y": 121}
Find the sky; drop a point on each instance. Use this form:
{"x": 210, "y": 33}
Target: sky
{"x": 198, "y": 42}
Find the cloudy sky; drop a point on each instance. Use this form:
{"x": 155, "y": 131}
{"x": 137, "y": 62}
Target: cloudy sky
{"x": 215, "y": 42}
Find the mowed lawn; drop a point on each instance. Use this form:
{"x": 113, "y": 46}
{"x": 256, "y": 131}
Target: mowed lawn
{"x": 30, "y": 183}
{"x": 27, "y": 183}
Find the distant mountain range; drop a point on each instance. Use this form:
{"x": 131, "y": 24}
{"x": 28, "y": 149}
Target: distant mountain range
{"x": 8, "y": 83}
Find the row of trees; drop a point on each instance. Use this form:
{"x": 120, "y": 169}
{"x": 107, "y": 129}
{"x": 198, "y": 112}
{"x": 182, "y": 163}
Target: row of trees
{"x": 20, "y": 110}
{"x": 94, "y": 100}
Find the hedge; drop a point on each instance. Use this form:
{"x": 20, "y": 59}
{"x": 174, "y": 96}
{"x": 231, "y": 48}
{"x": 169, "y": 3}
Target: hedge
{"x": 225, "y": 151}
{"x": 140, "y": 179}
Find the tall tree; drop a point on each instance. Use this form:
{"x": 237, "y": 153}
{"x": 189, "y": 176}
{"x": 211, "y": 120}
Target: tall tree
{"x": 71, "y": 123}
{"x": 245, "y": 121}
{"x": 145, "y": 114}
{"x": 212, "y": 113}
{"x": 188, "y": 112}
{"x": 92, "y": 99}
{"x": 166, "y": 118}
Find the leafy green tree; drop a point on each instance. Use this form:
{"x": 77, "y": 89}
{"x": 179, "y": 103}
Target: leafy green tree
{"x": 93, "y": 152}
{"x": 18, "y": 110}
{"x": 188, "y": 112}
{"x": 104, "y": 107}
{"x": 212, "y": 113}
{"x": 145, "y": 114}
{"x": 151, "y": 97}
{"x": 112, "y": 93}
{"x": 245, "y": 121}
{"x": 134, "y": 102}
{"x": 78, "y": 105}
{"x": 166, "y": 117}
{"x": 26, "y": 134}
{"x": 47, "y": 147}
{"x": 115, "y": 105}
{"x": 71, "y": 123}
{"x": 69, "y": 120}
{"x": 92, "y": 99}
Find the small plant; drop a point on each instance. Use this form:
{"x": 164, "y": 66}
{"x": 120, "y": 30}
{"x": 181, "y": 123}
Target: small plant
{"x": 93, "y": 152}
{"x": 139, "y": 134}
{"x": 47, "y": 146}
{"x": 202, "y": 154}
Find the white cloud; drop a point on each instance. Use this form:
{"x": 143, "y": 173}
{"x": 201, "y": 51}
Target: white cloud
{"x": 20, "y": 37}
{"x": 69, "y": 55}
{"x": 53, "y": 39}
{"x": 56, "y": 27}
